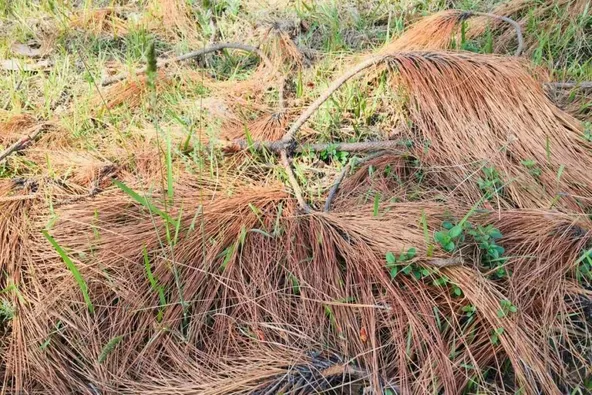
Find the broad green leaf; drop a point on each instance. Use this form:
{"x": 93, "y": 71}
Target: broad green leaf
{"x": 455, "y": 231}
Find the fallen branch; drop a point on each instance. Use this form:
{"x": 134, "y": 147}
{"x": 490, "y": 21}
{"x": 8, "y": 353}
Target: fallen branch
{"x": 291, "y": 133}
{"x": 512, "y": 22}
{"x": 280, "y": 145}
{"x": 191, "y": 55}
{"x": 341, "y": 177}
{"x": 24, "y": 141}
{"x": 570, "y": 85}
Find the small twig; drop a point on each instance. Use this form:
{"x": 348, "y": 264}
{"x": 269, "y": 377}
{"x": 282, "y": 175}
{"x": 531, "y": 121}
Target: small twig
{"x": 191, "y": 55}
{"x": 570, "y": 85}
{"x": 291, "y": 133}
{"x": 23, "y": 141}
{"x": 293, "y": 182}
{"x": 365, "y": 146}
{"x": 512, "y": 22}
{"x": 279, "y": 145}
{"x": 341, "y": 177}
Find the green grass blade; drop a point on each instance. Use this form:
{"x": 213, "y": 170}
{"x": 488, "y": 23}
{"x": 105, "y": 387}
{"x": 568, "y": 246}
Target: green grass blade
{"x": 142, "y": 200}
{"x": 73, "y": 269}
{"x": 154, "y": 284}
{"x": 109, "y": 347}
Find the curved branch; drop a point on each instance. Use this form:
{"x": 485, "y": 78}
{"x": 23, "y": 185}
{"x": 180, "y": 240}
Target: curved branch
{"x": 191, "y": 55}
{"x": 512, "y": 22}
{"x": 289, "y": 136}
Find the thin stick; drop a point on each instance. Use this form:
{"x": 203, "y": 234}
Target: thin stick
{"x": 293, "y": 182}
{"x": 570, "y": 85}
{"x": 279, "y": 145}
{"x": 291, "y": 133}
{"x": 340, "y": 178}
{"x": 512, "y": 22}
{"x": 191, "y": 55}
{"x": 23, "y": 141}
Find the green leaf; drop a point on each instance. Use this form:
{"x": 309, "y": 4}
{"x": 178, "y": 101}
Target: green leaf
{"x": 513, "y": 309}
{"x": 228, "y": 254}
{"x": 390, "y": 258}
{"x": 73, "y": 269}
{"x": 394, "y": 271}
{"x": 411, "y": 253}
{"x": 455, "y": 231}
{"x": 501, "y": 313}
{"x": 447, "y": 225}
{"x": 449, "y": 247}
{"x": 495, "y": 234}
{"x": 407, "y": 269}
{"x": 457, "y": 291}
{"x": 560, "y": 172}
{"x": 442, "y": 237}
{"x": 376, "y": 204}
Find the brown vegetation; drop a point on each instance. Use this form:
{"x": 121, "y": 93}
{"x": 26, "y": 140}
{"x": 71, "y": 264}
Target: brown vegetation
{"x": 220, "y": 282}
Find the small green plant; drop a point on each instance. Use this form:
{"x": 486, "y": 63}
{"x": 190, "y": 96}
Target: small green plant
{"x": 532, "y": 167}
{"x": 506, "y": 308}
{"x": 486, "y": 238}
{"x": 495, "y": 335}
{"x": 450, "y": 237}
{"x": 584, "y": 266}
{"x": 588, "y": 131}
{"x": 393, "y": 262}
{"x": 331, "y": 152}
{"x": 469, "y": 310}
{"x": 7, "y": 311}
{"x": 491, "y": 182}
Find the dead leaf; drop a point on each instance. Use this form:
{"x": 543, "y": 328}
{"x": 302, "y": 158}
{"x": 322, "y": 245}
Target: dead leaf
{"x": 17, "y": 65}
{"x": 25, "y": 50}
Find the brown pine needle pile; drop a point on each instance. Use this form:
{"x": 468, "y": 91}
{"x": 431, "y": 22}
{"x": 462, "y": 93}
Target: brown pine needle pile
{"x": 137, "y": 256}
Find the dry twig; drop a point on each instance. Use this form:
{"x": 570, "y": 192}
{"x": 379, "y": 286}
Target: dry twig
{"x": 24, "y": 141}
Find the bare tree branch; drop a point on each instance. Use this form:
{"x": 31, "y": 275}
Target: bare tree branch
{"x": 279, "y": 145}
{"x": 24, "y": 141}
{"x": 570, "y": 85}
